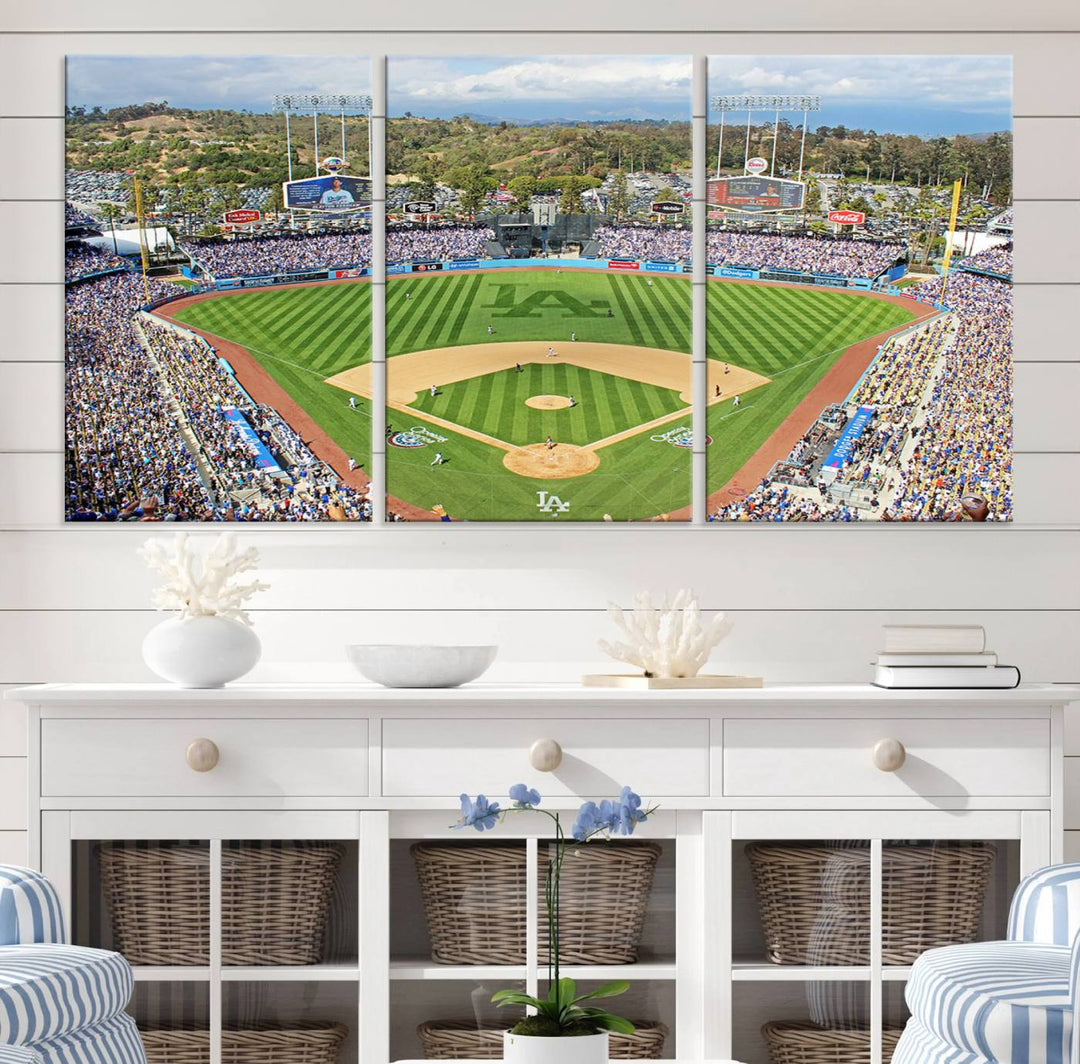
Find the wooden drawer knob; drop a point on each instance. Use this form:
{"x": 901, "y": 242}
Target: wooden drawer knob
{"x": 202, "y": 755}
{"x": 545, "y": 755}
{"x": 889, "y": 755}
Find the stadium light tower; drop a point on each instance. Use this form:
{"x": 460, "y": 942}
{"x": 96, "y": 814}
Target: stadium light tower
{"x": 776, "y": 104}
{"x": 312, "y": 103}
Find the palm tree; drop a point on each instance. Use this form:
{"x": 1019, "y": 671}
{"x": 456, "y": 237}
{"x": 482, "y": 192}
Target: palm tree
{"x": 112, "y": 211}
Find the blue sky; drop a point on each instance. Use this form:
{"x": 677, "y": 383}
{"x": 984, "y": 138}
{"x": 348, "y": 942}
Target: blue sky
{"x": 525, "y": 88}
{"x": 924, "y": 94}
{"x": 929, "y": 95}
{"x": 234, "y": 82}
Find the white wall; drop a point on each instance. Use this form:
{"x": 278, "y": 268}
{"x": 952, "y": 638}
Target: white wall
{"x": 808, "y": 601}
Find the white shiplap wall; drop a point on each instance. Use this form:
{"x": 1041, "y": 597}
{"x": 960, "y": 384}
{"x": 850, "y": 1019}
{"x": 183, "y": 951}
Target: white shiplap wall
{"x": 808, "y": 601}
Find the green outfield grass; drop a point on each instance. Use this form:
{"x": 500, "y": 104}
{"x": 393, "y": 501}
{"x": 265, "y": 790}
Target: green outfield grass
{"x": 791, "y": 335}
{"x": 444, "y": 310}
{"x": 303, "y": 335}
{"x": 495, "y": 404}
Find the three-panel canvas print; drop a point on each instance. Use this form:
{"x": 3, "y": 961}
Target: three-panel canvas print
{"x": 534, "y": 357}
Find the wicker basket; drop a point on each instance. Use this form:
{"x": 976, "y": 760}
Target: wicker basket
{"x": 814, "y": 901}
{"x": 274, "y": 901}
{"x": 303, "y": 1044}
{"x": 807, "y": 1043}
{"x": 474, "y": 902}
{"x": 450, "y": 1040}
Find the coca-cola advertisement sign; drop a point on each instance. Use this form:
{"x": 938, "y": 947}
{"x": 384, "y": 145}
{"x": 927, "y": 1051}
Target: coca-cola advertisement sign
{"x": 847, "y": 217}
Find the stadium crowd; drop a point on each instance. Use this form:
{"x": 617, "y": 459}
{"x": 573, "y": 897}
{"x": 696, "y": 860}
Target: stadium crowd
{"x": 965, "y": 445}
{"x": 280, "y": 254}
{"x": 166, "y": 452}
{"x": 993, "y": 260}
{"x": 843, "y": 258}
{"x": 82, "y": 259}
{"x": 941, "y": 429}
{"x": 665, "y": 244}
{"x": 438, "y": 244}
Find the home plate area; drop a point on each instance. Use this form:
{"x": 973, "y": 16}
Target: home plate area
{"x": 551, "y": 406}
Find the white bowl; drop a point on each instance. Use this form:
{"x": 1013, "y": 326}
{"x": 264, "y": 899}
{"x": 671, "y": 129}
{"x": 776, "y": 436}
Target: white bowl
{"x": 420, "y": 666}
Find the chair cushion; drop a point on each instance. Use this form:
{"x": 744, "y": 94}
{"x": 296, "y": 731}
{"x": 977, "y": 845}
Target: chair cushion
{"x": 1004, "y": 1001}
{"x": 20, "y": 1055}
{"x": 30, "y": 909}
{"x": 47, "y": 991}
{"x": 115, "y": 1041}
{"x": 918, "y": 1045}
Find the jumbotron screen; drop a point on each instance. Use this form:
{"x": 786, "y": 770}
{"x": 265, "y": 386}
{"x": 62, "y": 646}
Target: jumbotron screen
{"x": 756, "y": 193}
{"x": 330, "y": 193}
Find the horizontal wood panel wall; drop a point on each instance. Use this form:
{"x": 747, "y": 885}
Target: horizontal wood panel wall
{"x": 808, "y": 601}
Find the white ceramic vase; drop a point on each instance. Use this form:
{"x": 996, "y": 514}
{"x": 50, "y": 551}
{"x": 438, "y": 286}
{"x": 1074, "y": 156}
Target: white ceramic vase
{"x": 201, "y": 651}
{"x": 529, "y": 1049}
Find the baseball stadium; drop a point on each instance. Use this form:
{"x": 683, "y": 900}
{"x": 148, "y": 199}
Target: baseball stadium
{"x": 538, "y": 338}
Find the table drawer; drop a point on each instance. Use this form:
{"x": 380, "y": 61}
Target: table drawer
{"x": 254, "y": 757}
{"x": 658, "y": 758}
{"x": 836, "y": 757}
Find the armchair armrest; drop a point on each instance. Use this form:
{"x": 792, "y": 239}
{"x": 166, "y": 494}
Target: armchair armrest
{"x": 1046, "y": 906}
{"x": 30, "y": 909}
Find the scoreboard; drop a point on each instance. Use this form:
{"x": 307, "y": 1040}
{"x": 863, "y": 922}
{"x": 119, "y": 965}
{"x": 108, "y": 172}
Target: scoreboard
{"x": 756, "y": 194}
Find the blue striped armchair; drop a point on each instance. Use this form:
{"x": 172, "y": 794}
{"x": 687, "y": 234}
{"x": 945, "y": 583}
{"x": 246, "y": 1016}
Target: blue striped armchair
{"x": 1005, "y": 1002}
{"x": 59, "y": 1004}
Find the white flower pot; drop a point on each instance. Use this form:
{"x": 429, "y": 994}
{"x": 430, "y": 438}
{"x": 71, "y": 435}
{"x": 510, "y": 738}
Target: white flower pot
{"x": 529, "y": 1049}
{"x": 201, "y": 651}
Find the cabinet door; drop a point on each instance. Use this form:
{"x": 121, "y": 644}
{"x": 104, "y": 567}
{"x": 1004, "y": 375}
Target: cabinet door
{"x": 242, "y": 929}
{"x": 823, "y": 914}
{"x": 468, "y": 917}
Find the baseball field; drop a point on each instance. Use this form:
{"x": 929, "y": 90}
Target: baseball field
{"x": 484, "y": 367}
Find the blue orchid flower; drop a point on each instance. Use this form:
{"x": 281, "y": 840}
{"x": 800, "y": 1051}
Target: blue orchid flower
{"x": 524, "y": 797}
{"x": 630, "y": 813}
{"x": 480, "y": 814}
{"x": 587, "y": 821}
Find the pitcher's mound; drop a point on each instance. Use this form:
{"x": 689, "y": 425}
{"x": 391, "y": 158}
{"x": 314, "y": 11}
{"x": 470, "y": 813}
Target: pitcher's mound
{"x": 561, "y": 461}
{"x": 548, "y": 402}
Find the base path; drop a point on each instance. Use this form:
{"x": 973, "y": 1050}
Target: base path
{"x": 409, "y": 375}
{"x": 560, "y": 462}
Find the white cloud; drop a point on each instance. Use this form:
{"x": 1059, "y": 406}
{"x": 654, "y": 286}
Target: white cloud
{"x": 970, "y": 83}
{"x": 569, "y": 79}
{"x": 211, "y": 81}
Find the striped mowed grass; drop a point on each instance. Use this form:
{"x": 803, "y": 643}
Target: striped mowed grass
{"x": 427, "y": 311}
{"x": 303, "y": 335}
{"x": 494, "y": 404}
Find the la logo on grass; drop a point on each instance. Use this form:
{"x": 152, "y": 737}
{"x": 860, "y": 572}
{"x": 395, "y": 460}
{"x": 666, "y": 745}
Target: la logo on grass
{"x": 506, "y": 304}
{"x": 551, "y": 504}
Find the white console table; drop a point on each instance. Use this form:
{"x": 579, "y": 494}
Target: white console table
{"x": 379, "y": 769}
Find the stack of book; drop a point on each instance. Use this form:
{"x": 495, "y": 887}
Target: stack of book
{"x": 940, "y": 656}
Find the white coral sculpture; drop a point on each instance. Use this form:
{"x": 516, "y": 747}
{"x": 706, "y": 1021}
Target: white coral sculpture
{"x": 667, "y": 640}
{"x": 203, "y": 585}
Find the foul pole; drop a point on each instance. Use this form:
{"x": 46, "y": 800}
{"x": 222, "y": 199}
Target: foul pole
{"x": 957, "y": 186}
{"x": 140, "y": 220}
